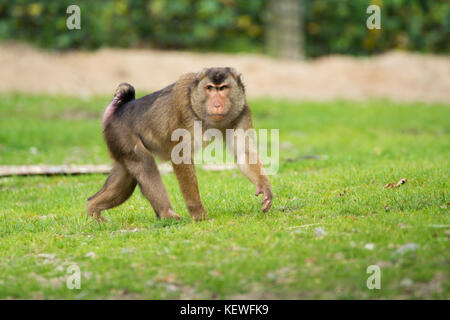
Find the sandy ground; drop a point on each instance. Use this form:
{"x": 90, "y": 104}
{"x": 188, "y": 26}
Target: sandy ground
{"x": 399, "y": 76}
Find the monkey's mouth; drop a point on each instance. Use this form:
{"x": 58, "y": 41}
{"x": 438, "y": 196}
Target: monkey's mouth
{"x": 217, "y": 116}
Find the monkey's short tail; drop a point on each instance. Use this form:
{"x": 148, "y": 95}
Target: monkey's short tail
{"x": 124, "y": 93}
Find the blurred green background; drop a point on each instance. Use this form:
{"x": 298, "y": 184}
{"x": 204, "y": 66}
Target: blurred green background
{"x": 326, "y": 26}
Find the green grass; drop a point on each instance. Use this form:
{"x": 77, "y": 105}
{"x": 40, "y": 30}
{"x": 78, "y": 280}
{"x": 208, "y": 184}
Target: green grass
{"x": 241, "y": 252}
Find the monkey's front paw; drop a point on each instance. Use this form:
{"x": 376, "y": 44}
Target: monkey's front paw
{"x": 199, "y": 218}
{"x": 170, "y": 214}
{"x": 267, "y": 197}
{"x": 98, "y": 217}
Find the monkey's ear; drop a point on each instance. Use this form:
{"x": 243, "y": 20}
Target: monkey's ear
{"x": 200, "y": 75}
{"x": 240, "y": 77}
{"x": 236, "y": 75}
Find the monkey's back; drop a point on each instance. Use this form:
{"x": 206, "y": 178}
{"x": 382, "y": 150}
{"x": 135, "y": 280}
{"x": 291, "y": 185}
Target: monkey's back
{"x": 137, "y": 121}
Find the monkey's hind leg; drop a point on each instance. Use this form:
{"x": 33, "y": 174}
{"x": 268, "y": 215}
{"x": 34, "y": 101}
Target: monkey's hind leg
{"x": 149, "y": 179}
{"x": 119, "y": 186}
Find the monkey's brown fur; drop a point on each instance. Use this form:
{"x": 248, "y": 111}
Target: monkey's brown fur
{"x": 137, "y": 130}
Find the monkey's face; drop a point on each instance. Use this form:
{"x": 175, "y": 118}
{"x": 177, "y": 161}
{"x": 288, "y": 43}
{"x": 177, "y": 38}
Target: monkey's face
{"x": 218, "y": 96}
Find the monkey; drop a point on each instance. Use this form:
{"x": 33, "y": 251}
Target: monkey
{"x": 138, "y": 130}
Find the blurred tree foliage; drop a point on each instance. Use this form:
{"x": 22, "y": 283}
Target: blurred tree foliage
{"x": 222, "y": 25}
{"x": 331, "y": 26}
{"x": 334, "y": 26}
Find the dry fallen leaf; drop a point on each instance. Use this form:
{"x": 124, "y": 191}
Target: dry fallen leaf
{"x": 407, "y": 247}
{"x": 402, "y": 181}
{"x": 309, "y": 261}
{"x": 320, "y": 232}
{"x": 167, "y": 279}
{"x": 406, "y": 282}
{"x": 90, "y": 254}
{"x": 396, "y": 185}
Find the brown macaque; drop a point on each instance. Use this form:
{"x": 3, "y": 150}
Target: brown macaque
{"x": 137, "y": 130}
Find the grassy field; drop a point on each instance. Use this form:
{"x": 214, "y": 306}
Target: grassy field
{"x": 331, "y": 217}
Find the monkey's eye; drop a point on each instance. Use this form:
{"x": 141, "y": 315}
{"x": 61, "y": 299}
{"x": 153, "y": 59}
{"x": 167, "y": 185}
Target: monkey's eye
{"x": 209, "y": 87}
{"x": 223, "y": 87}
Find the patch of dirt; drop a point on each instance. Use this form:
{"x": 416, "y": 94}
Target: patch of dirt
{"x": 399, "y": 76}
{"x": 425, "y": 290}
